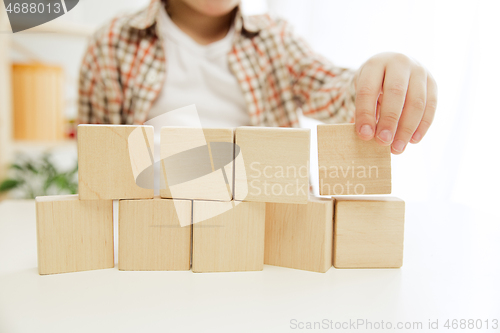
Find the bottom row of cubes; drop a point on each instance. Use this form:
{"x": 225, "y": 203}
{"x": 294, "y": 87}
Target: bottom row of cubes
{"x": 159, "y": 234}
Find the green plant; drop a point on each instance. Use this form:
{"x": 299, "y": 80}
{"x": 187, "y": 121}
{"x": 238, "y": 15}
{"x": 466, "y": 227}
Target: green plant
{"x": 30, "y": 177}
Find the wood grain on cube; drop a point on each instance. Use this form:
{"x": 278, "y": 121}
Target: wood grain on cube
{"x": 197, "y": 163}
{"x": 108, "y": 166}
{"x": 151, "y": 237}
{"x": 275, "y": 167}
{"x": 231, "y": 241}
{"x": 300, "y": 236}
{"x": 74, "y": 235}
{"x": 349, "y": 165}
{"x": 368, "y": 232}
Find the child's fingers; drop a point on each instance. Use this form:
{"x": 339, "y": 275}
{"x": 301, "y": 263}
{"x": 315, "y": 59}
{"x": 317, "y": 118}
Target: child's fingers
{"x": 413, "y": 110}
{"x": 430, "y": 110}
{"x": 397, "y": 76}
{"x": 367, "y": 91}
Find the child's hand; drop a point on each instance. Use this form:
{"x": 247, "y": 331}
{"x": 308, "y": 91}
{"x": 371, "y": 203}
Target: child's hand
{"x": 398, "y": 91}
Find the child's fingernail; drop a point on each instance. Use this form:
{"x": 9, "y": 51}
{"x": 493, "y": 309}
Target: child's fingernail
{"x": 385, "y": 136}
{"x": 366, "y": 130}
{"x": 399, "y": 145}
{"x": 416, "y": 137}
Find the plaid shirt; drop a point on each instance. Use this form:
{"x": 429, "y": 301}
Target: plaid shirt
{"x": 124, "y": 70}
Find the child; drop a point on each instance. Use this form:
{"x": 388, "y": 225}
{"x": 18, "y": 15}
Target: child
{"x": 244, "y": 71}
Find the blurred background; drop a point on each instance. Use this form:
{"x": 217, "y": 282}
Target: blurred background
{"x": 458, "y": 41}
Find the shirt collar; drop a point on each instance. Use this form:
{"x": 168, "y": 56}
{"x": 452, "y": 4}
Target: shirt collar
{"x": 148, "y": 16}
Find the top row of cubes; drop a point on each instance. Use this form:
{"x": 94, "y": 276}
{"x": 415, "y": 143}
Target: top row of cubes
{"x": 264, "y": 165}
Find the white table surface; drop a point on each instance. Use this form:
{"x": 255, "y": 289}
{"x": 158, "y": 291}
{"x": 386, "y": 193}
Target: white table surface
{"x": 451, "y": 271}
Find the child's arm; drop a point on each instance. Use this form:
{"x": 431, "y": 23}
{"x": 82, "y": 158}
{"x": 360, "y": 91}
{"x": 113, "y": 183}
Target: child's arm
{"x": 89, "y": 83}
{"x": 99, "y": 91}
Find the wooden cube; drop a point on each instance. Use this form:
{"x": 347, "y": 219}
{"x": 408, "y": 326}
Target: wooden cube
{"x": 368, "y": 232}
{"x": 231, "y": 241}
{"x": 274, "y": 164}
{"x": 73, "y": 235}
{"x": 110, "y": 160}
{"x": 300, "y": 236}
{"x": 151, "y": 237}
{"x": 197, "y": 163}
{"x": 349, "y": 165}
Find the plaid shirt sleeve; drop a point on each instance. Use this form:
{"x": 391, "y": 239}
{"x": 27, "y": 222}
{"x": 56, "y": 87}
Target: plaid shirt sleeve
{"x": 99, "y": 91}
{"x": 322, "y": 90}
{"x": 86, "y": 85}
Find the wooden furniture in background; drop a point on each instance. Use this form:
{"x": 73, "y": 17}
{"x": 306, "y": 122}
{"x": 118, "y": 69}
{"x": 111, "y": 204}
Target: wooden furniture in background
{"x": 300, "y": 236}
{"x": 368, "y": 232}
{"x": 151, "y": 237}
{"x": 349, "y": 165}
{"x": 74, "y": 235}
{"x": 38, "y": 102}
{"x": 56, "y": 28}
{"x": 5, "y": 94}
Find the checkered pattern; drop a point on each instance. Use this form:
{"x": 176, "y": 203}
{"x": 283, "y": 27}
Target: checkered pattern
{"x": 124, "y": 69}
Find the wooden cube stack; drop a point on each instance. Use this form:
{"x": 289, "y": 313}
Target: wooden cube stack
{"x": 232, "y": 200}
{"x": 75, "y": 233}
{"x": 368, "y": 230}
{"x": 229, "y": 236}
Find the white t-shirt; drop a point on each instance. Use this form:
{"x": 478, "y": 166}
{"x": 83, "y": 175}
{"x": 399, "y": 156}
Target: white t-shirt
{"x": 196, "y": 74}
{"x": 199, "y": 74}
